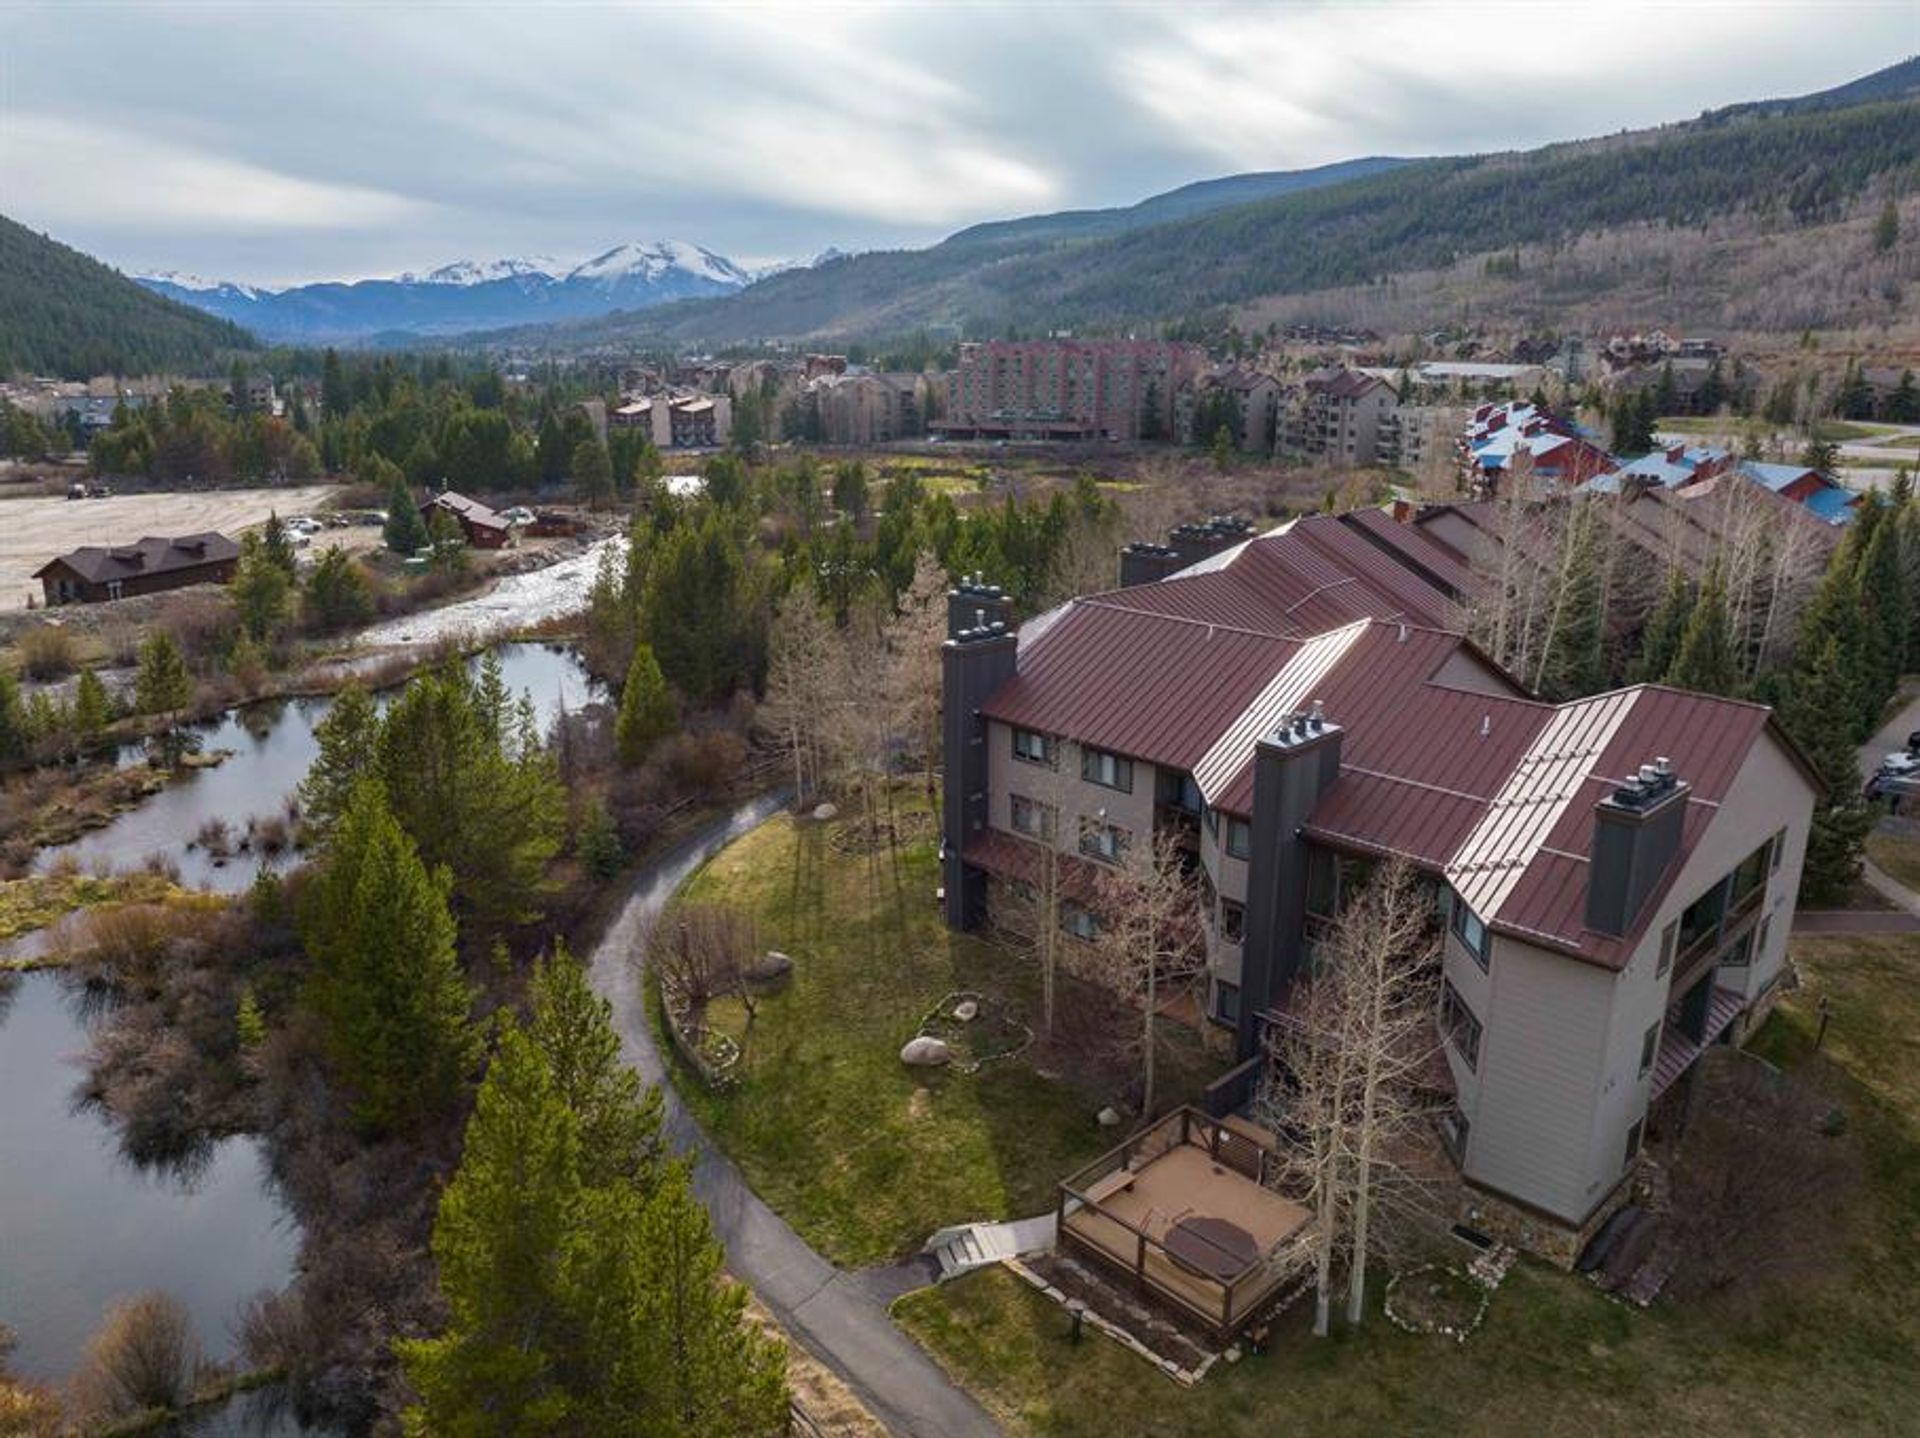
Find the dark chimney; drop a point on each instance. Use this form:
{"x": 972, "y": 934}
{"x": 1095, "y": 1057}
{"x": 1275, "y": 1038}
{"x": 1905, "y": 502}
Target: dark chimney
{"x": 1636, "y": 834}
{"x": 1144, "y": 563}
{"x": 1293, "y": 766}
{"x": 973, "y": 604}
{"x": 1186, "y": 544}
{"x": 973, "y": 663}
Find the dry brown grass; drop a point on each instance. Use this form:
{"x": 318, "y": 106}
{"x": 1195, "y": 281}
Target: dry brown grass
{"x": 48, "y": 652}
{"x": 143, "y": 1357}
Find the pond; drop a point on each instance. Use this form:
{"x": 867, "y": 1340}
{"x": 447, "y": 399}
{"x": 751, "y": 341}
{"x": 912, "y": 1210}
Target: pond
{"x": 81, "y": 1226}
{"x": 272, "y": 745}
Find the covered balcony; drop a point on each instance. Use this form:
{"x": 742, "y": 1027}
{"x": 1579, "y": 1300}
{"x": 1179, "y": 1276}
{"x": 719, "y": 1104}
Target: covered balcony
{"x": 1182, "y": 1211}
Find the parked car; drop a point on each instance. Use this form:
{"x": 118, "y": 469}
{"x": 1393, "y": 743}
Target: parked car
{"x": 519, "y": 514}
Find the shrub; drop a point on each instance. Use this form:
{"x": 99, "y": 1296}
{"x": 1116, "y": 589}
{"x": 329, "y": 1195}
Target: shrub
{"x": 143, "y": 1356}
{"x": 48, "y": 652}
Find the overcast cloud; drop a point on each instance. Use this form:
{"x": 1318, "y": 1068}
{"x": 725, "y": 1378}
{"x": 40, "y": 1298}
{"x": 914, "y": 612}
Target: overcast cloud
{"x": 277, "y": 142}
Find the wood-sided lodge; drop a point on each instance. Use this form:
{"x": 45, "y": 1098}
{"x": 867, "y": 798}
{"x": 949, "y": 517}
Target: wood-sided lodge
{"x": 93, "y": 573}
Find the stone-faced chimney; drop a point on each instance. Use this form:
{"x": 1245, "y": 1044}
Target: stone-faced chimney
{"x": 1293, "y": 766}
{"x": 1636, "y": 834}
{"x": 973, "y": 663}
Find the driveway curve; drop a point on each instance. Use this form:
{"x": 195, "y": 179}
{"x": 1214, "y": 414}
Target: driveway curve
{"x": 839, "y": 1316}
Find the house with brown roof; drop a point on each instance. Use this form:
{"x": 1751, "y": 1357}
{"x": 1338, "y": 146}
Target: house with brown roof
{"x": 480, "y": 524}
{"x": 95, "y": 573}
{"x": 1615, "y": 876}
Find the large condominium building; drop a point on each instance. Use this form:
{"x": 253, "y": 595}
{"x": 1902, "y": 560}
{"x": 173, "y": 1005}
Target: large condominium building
{"x": 1068, "y": 389}
{"x": 867, "y": 408}
{"x": 1335, "y": 416}
{"x": 1615, "y": 877}
{"x": 695, "y": 420}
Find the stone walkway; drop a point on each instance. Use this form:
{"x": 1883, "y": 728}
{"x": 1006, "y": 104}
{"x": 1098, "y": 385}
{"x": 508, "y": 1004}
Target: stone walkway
{"x": 841, "y": 1317}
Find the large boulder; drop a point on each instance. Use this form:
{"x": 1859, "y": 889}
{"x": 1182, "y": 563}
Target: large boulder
{"x": 967, "y": 1010}
{"x": 773, "y": 969}
{"x": 926, "y": 1052}
{"x": 823, "y": 812}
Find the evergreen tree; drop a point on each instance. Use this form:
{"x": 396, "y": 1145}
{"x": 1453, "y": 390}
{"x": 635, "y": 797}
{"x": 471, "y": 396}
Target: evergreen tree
{"x": 1660, "y": 638}
{"x": 15, "y": 731}
{"x": 335, "y": 396}
{"x": 598, "y": 842}
{"x": 1820, "y": 455}
{"x": 1886, "y": 612}
{"x": 262, "y": 590}
{"x": 161, "y": 684}
{"x": 1633, "y": 419}
{"x": 278, "y": 544}
{"x": 700, "y": 615}
{"x": 1886, "y": 228}
{"x": 406, "y": 531}
{"x": 1835, "y": 613}
{"x": 620, "y": 1122}
{"x": 92, "y": 709}
{"x": 386, "y": 980}
{"x": 502, "y": 1240}
{"x": 1705, "y": 662}
{"x": 550, "y": 450}
{"x": 1574, "y": 664}
{"x": 1819, "y": 713}
{"x": 484, "y": 804}
{"x": 592, "y": 473}
{"x": 337, "y": 594}
{"x": 647, "y": 711}
{"x": 346, "y": 735}
{"x": 1903, "y": 405}
{"x": 850, "y": 495}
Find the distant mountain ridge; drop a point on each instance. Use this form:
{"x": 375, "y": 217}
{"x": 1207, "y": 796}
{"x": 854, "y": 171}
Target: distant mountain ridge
{"x": 465, "y": 294}
{"x": 1800, "y": 163}
{"x": 64, "y": 314}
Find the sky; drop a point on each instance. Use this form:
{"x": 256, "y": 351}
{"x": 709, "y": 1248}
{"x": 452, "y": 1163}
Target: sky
{"x": 276, "y": 143}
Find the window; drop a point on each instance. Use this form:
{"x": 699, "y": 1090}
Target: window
{"x": 1740, "y": 952}
{"x": 1668, "y": 937}
{"x": 1760, "y": 943}
{"x": 1032, "y": 818}
{"x": 1649, "y": 1047}
{"x": 1459, "y": 1025}
{"x": 1469, "y": 929}
{"x": 1239, "y": 838}
{"x": 1233, "y": 921}
{"x": 1702, "y": 917}
{"x": 1779, "y": 849}
{"x": 1213, "y": 822}
{"x": 1175, "y": 790}
{"x": 1105, "y": 842}
{"x": 1454, "y": 1129}
{"x": 1078, "y": 922}
{"x": 1111, "y": 771}
{"x": 1753, "y": 871}
{"x": 1033, "y": 747}
{"x": 1633, "y": 1141}
{"x": 1226, "y": 1003}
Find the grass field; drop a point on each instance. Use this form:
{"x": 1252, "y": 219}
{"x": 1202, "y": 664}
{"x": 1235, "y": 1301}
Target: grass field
{"x": 862, "y": 1155}
{"x": 1898, "y": 855}
{"x": 1555, "y": 1356}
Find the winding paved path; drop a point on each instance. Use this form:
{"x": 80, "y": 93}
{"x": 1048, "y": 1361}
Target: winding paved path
{"x": 841, "y": 1317}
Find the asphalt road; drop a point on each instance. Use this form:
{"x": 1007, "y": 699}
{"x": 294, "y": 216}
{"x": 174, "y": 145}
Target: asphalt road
{"x": 841, "y": 1317}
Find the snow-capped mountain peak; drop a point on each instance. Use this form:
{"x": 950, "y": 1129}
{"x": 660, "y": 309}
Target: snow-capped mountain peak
{"x": 635, "y": 260}
{"x": 480, "y": 272}
{"x": 199, "y": 285}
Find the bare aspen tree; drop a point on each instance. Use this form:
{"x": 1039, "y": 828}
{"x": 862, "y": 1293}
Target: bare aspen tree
{"x": 1345, "y": 1096}
{"x": 1151, "y": 944}
{"x": 914, "y": 636}
{"x": 805, "y": 667}
{"x": 1032, "y": 912}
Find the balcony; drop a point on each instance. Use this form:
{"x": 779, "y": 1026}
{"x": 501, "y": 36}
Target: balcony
{"x": 1181, "y": 1210}
{"x": 1678, "y": 1049}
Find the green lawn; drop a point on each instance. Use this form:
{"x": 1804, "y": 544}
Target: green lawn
{"x": 863, "y": 1156}
{"x": 1554, "y": 1356}
{"x": 1898, "y": 855}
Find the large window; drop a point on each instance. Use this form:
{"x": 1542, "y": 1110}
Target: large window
{"x": 1753, "y": 871}
{"x": 1034, "y": 747}
{"x": 1459, "y": 1025}
{"x": 1112, "y": 771}
{"x": 1633, "y": 1141}
{"x": 1669, "y": 936}
{"x": 1702, "y": 917}
{"x": 1649, "y": 1047}
{"x": 1176, "y": 790}
{"x": 1454, "y": 1129}
{"x": 1233, "y": 921}
{"x": 1079, "y": 922}
{"x": 1105, "y": 842}
{"x": 1032, "y": 818}
{"x": 1470, "y": 930}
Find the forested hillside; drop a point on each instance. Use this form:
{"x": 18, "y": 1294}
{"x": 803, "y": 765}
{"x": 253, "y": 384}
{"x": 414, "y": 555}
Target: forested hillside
{"x": 64, "y": 314}
{"x": 1792, "y": 170}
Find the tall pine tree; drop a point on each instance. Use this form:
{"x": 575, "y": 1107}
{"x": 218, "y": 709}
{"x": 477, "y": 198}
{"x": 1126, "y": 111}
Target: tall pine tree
{"x": 1705, "y": 661}
{"x": 647, "y": 711}
{"x": 386, "y": 982}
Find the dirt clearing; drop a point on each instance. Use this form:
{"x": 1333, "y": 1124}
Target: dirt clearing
{"x": 34, "y": 530}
